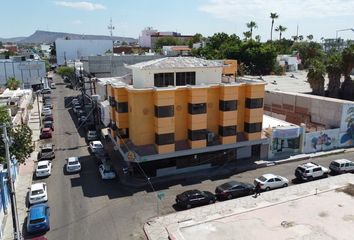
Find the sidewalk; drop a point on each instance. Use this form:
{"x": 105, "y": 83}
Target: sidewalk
{"x": 213, "y": 172}
{"x": 24, "y": 178}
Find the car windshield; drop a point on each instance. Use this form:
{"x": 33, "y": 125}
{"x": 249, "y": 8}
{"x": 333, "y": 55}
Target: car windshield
{"x": 227, "y": 185}
{"x": 335, "y": 164}
{"x": 48, "y": 150}
{"x": 263, "y": 179}
{"x": 73, "y": 162}
{"x": 301, "y": 169}
{"x": 98, "y": 145}
{"x": 42, "y": 167}
{"x": 36, "y": 192}
{"x": 39, "y": 220}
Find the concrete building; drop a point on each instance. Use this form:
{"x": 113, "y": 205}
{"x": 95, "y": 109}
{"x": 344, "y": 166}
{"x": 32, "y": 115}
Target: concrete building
{"x": 145, "y": 37}
{"x": 71, "y": 50}
{"x": 112, "y": 66}
{"x": 328, "y": 122}
{"x": 182, "y": 113}
{"x": 288, "y": 62}
{"x": 28, "y": 71}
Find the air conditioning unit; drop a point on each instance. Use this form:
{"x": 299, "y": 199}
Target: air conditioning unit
{"x": 211, "y": 136}
{"x": 96, "y": 98}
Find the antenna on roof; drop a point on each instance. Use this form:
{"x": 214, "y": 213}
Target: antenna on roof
{"x": 110, "y": 27}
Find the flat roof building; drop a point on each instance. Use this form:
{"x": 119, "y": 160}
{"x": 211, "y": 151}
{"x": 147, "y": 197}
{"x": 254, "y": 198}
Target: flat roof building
{"x": 183, "y": 113}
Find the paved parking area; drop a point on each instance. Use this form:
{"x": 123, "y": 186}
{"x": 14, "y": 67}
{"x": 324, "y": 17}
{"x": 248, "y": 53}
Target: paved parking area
{"x": 314, "y": 210}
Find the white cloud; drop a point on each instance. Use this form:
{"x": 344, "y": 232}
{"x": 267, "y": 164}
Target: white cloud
{"x": 81, "y": 5}
{"x": 246, "y": 10}
{"x": 77, "y": 22}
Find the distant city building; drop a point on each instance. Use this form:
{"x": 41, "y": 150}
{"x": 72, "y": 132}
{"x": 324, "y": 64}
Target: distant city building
{"x": 288, "y": 62}
{"x": 336, "y": 43}
{"x": 176, "y": 50}
{"x": 28, "y": 71}
{"x": 71, "y": 50}
{"x": 11, "y": 47}
{"x": 145, "y": 38}
{"x": 149, "y": 36}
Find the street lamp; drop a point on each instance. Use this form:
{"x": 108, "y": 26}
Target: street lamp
{"x": 343, "y": 30}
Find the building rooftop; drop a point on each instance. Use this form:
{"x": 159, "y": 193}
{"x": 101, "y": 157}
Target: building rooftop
{"x": 270, "y": 122}
{"x": 176, "y": 62}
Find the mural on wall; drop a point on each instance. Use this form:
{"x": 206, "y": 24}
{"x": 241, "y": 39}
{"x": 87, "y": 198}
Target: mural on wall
{"x": 347, "y": 125}
{"x": 322, "y": 140}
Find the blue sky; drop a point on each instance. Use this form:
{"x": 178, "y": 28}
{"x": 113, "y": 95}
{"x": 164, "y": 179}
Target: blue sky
{"x": 318, "y": 17}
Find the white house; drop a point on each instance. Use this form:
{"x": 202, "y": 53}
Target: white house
{"x": 71, "y": 50}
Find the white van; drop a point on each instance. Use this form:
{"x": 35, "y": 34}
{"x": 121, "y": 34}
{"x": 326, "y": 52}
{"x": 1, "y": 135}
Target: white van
{"x": 342, "y": 166}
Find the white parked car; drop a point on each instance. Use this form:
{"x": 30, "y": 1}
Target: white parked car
{"x": 342, "y": 166}
{"x": 271, "y": 181}
{"x": 38, "y": 193}
{"x": 96, "y": 146}
{"x": 73, "y": 165}
{"x": 107, "y": 172}
{"x": 46, "y": 111}
{"x": 44, "y": 169}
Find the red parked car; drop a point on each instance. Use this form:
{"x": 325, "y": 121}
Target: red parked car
{"x": 46, "y": 133}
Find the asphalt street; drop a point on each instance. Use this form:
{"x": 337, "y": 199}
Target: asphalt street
{"x": 85, "y": 207}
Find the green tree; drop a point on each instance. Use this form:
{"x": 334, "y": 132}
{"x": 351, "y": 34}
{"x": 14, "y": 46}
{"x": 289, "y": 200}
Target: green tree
{"x": 308, "y": 52}
{"x": 334, "y": 70}
{"x": 47, "y": 65}
{"x": 166, "y": 41}
{"x": 280, "y": 29}
{"x": 53, "y": 51}
{"x": 309, "y": 37}
{"x": 347, "y": 87}
{"x": 66, "y": 71}
{"x": 247, "y": 35}
{"x": 0, "y": 44}
{"x": 12, "y": 83}
{"x": 252, "y": 25}
{"x": 272, "y": 16}
{"x": 21, "y": 138}
{"x": 301, "y": 38}
{"x": 315, "y": 77}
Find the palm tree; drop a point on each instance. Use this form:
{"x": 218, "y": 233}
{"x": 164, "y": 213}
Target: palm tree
{"x": 347, "y": 86}
{"x": 251, "y": 25}
{"x": 258, "y": 38}
{"x": 309, "y": 37}
{"x": 280, "y": 29}
{"x": 334, "y": 70}
{"x": 295, "y": 38}
{"x": 315, "y": 77}
{"x": 301, "y": 38}
{"x": 272, "y": 16}
{"x": 12, "y": 83}
{"x": 247, "y": 35}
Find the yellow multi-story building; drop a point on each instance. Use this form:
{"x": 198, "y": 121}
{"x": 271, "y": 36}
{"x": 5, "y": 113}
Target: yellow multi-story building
{"x": 182, "y": 113}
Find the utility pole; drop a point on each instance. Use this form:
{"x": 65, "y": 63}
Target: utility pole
{"x": 15, "y": 223}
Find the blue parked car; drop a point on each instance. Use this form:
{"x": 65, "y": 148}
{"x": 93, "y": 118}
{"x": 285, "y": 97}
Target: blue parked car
{"x": 38, "y": 218}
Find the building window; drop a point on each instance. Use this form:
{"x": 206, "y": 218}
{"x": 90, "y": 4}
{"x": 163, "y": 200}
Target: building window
{"x": 196, "y": 108}
{"x": 253, "y": 127}
{"x": 228, "y": 105}
{"x": 123, "y": 132}
{"x": 164, "y": 111}
{"x": 122, "y": 107}
{"x": 254, "y": 103}
{"x": 112, "y": 101}
{"x": 163, "y": 79}
{"x": 184, "y": 78}
{"x": 195, "y": 135}
{"x": 164, "y": 139}
{"x": 227, "y": 130}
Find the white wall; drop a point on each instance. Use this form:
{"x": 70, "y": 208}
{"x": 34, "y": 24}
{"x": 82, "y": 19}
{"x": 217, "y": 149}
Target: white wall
{"x": 75, "y": 49}
{"x": 28, "y": 72}
{"x": 145, "y": 78}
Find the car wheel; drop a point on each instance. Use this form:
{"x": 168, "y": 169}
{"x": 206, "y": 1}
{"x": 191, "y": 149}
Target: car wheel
{"x": 285, "y": 185}
{"x": 310, "y": 178}
{"x": 188, "y": 206}
{"x": 211, "y": 201}
{"x": 267, "y": 188}
{"x": 229, "y": 196}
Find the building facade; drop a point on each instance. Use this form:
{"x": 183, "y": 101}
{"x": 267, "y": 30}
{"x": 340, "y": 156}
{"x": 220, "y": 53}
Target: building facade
{"x": 145, "y": 37}
{"x": 183, "y": 113}
{"x": 71, "y": 50}
{"x": 28, "y": 71}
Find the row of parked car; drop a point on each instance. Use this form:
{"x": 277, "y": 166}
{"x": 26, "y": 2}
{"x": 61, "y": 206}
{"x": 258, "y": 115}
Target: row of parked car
{"x": 96, "y": 147}
{"x": 233, "y": 189}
